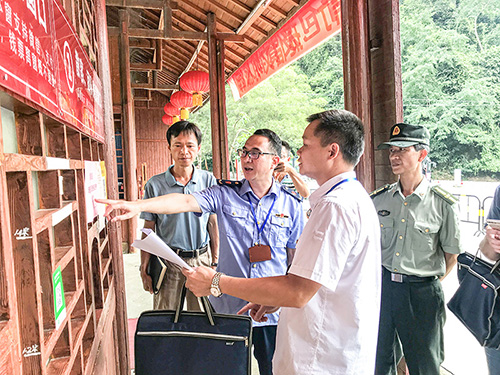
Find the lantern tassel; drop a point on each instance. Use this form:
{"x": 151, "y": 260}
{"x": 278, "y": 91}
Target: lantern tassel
{"x": 197, "y": 99}
{"x": 184, "y": 114}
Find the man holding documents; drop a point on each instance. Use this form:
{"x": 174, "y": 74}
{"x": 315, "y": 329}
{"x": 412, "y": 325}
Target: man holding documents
{"x": 260, "y": 223}
{"x": 331, "y": 293}
{"x": 187, "y": 234}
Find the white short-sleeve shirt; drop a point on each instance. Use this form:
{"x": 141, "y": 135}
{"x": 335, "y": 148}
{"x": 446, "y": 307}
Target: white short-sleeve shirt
{"x": 336, "y": 332}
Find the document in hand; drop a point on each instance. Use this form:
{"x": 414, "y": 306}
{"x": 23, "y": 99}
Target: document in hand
{"x": 154, "y": 245}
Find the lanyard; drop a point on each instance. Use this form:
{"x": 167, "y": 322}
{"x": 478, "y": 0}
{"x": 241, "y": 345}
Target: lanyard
{"x": 259, "y": 230}
{"x": 309, "y": 211}
{"x": 340, "y": 183}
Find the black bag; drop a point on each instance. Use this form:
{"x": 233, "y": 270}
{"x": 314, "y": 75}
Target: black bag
{"x": 192, "y": 342}
{"x": 476, "y": 302}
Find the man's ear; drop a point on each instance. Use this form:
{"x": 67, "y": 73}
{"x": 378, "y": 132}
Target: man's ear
{"x": 334, "y": 150}
{"x": 423, "y": 155}
{"x": 276, "y": 159}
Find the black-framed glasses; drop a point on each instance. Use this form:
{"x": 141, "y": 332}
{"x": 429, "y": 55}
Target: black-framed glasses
{"x": 252, "y": 154}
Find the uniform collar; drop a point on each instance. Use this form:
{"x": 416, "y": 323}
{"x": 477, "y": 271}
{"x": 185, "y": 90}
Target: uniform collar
{"x": 171, "y": 181}
{"x": 246, "y": 188}
{"x": 419, "y": 192}
{"x": 328, "y": 185}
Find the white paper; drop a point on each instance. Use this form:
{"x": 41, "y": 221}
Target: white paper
{"x": 154, "y": 245}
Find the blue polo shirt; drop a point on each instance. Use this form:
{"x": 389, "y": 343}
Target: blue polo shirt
{"x": 186, "y": 230}
{"x": 238, "y": 231}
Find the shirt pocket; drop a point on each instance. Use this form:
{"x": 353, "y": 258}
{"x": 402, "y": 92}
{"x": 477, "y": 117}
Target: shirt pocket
{"x": 236, "y": 220}
{"x": 424, "y": 236}
{"x": 387, "y": 231}
{"x": 279, "y": 229}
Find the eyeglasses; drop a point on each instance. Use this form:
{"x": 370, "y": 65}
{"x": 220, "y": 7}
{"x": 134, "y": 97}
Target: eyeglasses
{"x": 252, "y": 154}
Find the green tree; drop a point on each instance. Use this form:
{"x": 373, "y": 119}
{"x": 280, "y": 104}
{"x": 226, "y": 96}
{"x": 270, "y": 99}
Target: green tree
{"x": 281, "y": 103}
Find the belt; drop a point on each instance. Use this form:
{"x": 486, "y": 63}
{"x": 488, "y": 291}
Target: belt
{"x": 400, "y": 278}
{"x": 191, "y": 253}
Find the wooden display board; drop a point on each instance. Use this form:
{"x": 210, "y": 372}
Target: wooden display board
{"x": 43, "y": 227}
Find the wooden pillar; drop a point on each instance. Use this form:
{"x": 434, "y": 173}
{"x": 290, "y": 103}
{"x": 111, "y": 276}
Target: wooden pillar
{"x": 357, "y": 79}
{"x": 387, "y": 88}
{"x": 130, "y": 153}
{"x": 115, "y": 233}
{"x": 220, "y": 150}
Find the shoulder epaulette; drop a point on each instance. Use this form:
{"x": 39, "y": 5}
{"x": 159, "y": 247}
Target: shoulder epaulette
{"x": 292, "y": 192}
{"x": 443, "y": 194}
{"x": 380, "y": 190}
{"x": 230, "y": 183}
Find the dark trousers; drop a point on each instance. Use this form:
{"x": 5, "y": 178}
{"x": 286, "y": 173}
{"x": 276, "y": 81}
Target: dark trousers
{"x": 264, "y": 342}
{"x": 412, "y": 313}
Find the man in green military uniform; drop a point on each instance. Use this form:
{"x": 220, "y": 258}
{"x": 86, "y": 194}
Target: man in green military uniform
{"x": 420, "y": 244}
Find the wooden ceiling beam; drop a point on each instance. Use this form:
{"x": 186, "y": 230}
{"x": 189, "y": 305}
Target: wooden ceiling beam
{"x": 143, "y": 43}
{"x": 240, "y": 19}
{"x": 249, "y": 9}
{"x": 219, "y": 21}
{"x": 141, "y": 4}
{"x": 150, "y": 86}
{"x": 277, "y": 10}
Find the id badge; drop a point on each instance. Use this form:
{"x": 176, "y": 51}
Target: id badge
{"x": 259, "y": 253}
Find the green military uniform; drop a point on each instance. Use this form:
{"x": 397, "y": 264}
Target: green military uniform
{"x": 416, "y": 231}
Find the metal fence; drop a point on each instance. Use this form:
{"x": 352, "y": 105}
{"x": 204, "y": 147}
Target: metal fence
{"x": 473, "y": 210}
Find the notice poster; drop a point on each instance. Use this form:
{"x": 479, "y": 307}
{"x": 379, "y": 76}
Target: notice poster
{"x": 313, "y": 24}
{"x": 59, "y": 301}
{"x": 95, "y": 187}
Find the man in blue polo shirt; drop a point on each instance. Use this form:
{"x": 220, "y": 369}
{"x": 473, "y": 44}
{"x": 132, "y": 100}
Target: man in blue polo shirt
{"x": 259, "y": 220}
{"x": 188, "y": 234}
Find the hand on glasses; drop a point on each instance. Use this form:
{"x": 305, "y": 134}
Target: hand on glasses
{"x": 252, "y": 154}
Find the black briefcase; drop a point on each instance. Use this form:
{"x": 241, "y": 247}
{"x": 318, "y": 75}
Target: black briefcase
{"x": 192, "y": 342}
{"x": 476, "y": 303}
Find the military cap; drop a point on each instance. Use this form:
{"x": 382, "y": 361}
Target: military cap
{"x": 406, "y": 135}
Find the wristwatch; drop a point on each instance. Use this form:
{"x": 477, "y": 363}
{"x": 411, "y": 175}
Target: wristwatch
{"x": 214, "y": 287}
{"x": 214, "y": 264}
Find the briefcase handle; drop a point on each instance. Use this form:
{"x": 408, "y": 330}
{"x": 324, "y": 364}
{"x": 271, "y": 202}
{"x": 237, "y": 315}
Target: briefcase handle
{"x": 209, "y": 312}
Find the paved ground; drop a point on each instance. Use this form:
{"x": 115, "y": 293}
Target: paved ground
{"x": 464, "y": 356}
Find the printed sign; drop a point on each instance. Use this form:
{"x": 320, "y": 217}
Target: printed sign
{"x": 313, "y": 24}
{"x": 43, "y": 60}
{"x": 95, "y": 187}
{"x": 59, "y": 301}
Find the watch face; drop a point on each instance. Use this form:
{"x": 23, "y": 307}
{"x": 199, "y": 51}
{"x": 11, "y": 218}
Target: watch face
{"x": 215, "y": 291}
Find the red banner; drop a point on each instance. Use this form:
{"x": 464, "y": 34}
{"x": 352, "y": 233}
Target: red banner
{"x": 314, "y": 23}
{"x": 43, "y": 60}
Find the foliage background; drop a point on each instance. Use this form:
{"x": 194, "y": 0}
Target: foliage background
{"x": 451, "y": 84}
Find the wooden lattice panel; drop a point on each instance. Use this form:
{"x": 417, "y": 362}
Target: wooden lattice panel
{"x": 44, "y": 228}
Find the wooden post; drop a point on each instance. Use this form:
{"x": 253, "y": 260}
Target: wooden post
{"x": 130, "y": 153}
{"x": 387, "y": 87}
{"x": 115, "y": 233}
{"x": 357, "y": 79}
{"x": 224, "y": 141}
{"x": 220, "y": 154}
{"x": 214, "y": 105}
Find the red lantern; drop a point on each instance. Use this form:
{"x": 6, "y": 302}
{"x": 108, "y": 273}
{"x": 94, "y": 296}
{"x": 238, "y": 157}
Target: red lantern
{"x": 196, "y": 83}
{"x": 167, "y": 119}
{"x": 183, "y": 100}
{"x": 171, "y": 110}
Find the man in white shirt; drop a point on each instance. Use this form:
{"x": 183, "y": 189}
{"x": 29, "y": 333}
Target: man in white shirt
{"x": 331, "y": 294}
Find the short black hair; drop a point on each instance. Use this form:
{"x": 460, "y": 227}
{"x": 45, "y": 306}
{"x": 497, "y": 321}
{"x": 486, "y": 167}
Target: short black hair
{"x": 273, "y": 138}
{"x": 287, "y": 146}
{"x": 341, "y": 127}
{"x": 183, "y": 127}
